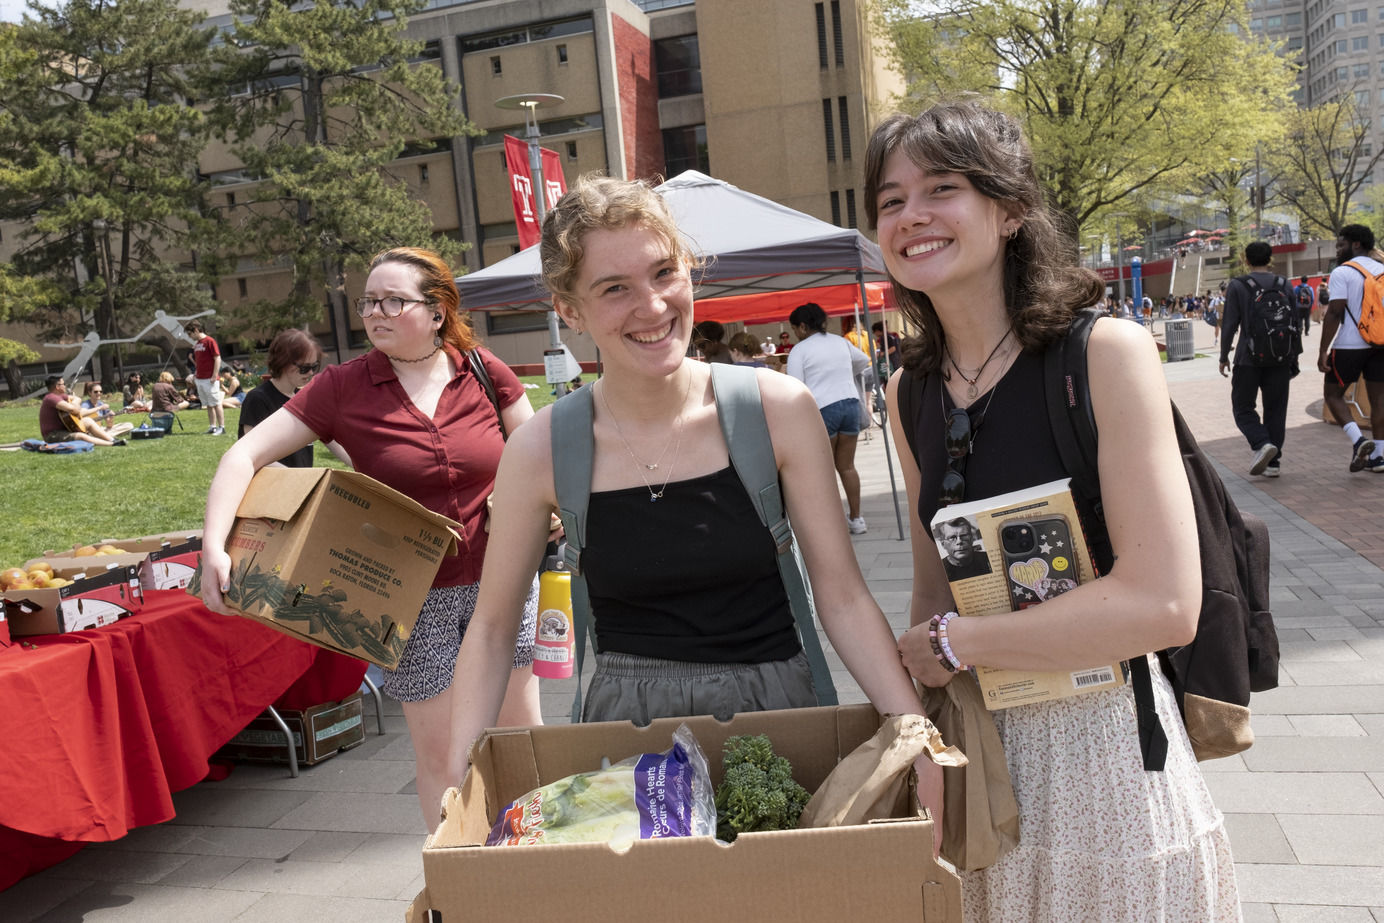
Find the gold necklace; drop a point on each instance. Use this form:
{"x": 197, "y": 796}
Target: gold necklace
{"x": 971, "y": 389}
{"x": 675, "y": 440}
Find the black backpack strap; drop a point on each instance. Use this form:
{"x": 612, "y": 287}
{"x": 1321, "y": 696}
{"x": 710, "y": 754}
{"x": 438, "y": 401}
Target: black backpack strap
{"x": 741, "y": 412}
{"x": 573, "y": 442}
{"x": 478, "y": 369}
{"x": 1074, "y": 431}
{"x": 910, "y": 394}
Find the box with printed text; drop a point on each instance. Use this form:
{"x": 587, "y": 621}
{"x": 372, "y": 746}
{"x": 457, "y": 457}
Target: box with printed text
{"x": 334, "y": 558}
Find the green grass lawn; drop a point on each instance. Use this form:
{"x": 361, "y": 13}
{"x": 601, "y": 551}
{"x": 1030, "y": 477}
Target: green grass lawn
{"x": 146, "y": 487}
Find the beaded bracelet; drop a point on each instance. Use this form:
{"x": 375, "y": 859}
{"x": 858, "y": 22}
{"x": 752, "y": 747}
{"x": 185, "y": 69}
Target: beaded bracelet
{"x": 953, "y": 661}
{"x": 934, "y": 637}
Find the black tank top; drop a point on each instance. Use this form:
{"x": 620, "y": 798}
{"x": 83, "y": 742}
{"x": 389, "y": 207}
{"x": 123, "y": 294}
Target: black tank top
{"x": 691, "y": 577}
{"x": 1012, "y": 446}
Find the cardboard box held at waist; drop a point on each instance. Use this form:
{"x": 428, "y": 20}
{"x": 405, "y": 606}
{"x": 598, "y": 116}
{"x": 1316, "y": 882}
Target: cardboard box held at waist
{"x": 883, "y": 870}
{"x": 334, "y": 558}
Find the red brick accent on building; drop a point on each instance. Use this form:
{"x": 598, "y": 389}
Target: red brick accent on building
{"x": 638, "y": 89}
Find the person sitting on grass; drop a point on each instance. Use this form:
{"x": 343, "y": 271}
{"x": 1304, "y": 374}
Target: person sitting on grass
{"x": 166, "y": 397}
{"x": 93, "y": 398}
{"x": 58, "y": 405}
{"x": 136, "y": 401}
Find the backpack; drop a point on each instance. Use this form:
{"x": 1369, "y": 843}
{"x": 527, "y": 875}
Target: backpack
{"x": 1235, "y": 651}
{"x": 1305, "y": 298}
{"x": 1212, "y": 317}
{"x": 1272, "y": 332}
{"x": 751, "y": 454}
{"x": 1371, "y": 319}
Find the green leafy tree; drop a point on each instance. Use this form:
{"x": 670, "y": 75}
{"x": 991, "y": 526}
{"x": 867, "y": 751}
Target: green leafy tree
{"x": 1326, "y": 162}
{"x": 328, "y": 94}
{"x": 98, "y": 147}
{"x": 1121, "y": 99}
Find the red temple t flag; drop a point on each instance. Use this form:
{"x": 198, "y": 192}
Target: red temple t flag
{"x": 521, "y": 186}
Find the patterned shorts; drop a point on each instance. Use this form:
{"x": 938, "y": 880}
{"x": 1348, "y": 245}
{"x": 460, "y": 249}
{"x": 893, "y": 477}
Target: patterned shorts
{"x": 430, "y": 656}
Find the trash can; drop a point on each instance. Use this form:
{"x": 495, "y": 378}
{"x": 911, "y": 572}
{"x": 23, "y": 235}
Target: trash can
{"x": 1178, "y": 334}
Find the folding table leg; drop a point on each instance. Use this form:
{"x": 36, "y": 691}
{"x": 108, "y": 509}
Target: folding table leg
{"x": 288, "y": 735}
{"x": 379, "y": 702}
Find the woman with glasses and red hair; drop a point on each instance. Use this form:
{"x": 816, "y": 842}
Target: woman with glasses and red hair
{"x": 980, "y": 269}
{"x": 413, "y": 415}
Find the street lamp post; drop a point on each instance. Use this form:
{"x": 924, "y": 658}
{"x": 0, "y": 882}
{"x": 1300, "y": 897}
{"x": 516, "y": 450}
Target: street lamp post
{"x": 529, "y": 103}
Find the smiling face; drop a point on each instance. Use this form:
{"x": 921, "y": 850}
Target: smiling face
{"x": 935, "y": 230}
{"x": 409, "y": 335}
{"x": 634, "y": 298}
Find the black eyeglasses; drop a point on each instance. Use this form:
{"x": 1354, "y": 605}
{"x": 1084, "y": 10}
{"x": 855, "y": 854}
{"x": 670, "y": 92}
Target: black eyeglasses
{"x": 391, "y": 306}
{"x": 308, "y": 369}
{"x": 957, "y": 440}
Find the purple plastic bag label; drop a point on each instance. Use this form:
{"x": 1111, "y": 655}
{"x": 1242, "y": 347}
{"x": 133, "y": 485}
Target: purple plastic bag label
{"x": 663, "y": 794}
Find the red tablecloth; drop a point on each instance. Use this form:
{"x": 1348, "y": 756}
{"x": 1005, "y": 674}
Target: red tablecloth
{"x": 101, "y": 727}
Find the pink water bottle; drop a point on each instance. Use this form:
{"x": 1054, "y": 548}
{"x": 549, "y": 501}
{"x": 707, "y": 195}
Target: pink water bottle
{"x": 553, "y": 643}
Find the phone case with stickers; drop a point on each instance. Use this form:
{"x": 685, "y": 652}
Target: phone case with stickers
{"x": 1039, "y": 560}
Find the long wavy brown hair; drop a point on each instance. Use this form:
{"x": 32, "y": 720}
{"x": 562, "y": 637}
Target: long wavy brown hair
{"x": 439, "y": 288}
{"x": 1043, "y": 285}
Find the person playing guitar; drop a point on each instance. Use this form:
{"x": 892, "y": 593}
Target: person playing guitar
{"x": 62, "y": 419}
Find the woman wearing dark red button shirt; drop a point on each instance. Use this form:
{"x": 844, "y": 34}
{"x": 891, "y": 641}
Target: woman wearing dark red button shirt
{"x": 412, "y": 415}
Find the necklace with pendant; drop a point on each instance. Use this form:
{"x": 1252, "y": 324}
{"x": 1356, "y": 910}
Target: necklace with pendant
{"x": 971, "y": 388}
{"x": 641, "y": 466}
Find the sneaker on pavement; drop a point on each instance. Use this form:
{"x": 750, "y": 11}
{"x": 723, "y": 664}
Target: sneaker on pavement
{"x": 211, "y": 431}
{"x": 857, "y": 525}
{"x": 1271, "y": 471}
{"x": 1364, "y": 448}
{"x": 1262, "y": 456}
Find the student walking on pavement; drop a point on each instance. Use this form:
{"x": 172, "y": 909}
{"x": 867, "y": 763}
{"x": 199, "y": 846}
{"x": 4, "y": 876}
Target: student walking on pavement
{"x": 1344, "y": 355}
{"x": 1255, "y": 376}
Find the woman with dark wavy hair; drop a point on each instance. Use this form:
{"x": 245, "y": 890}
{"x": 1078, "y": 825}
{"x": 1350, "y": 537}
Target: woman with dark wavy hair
{"x": 413, "y": 415}
{"x": 981, "y": 270}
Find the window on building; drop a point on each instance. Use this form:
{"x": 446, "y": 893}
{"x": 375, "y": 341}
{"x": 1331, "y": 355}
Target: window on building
{"x": 822, "y": 35}
{"x": 845, "y": 129}
{"x": 422, "y": 174}
{"x": 244, "y": 289}
{"x": 685, "y": 149}
{"x": 1340, "y": 73}
{"x": 571, "y": 150}
{"x": 850, "y": 208}
{"x": 1274, "y": 22}
{"x": 1359, "y": 16}
{"x": 1340, "y": 46}
{"x": 230, "y": 200}
{"x": 679, "y": 64}
{"x": 562, "y": 54}
{"x": 836, "y": 208}
{"x": 1292, "y": 19}
{"x": 1338, "y": 21}
{"x": 515, "y": 321}
{"x": 1381, "y": 40}
{"x": 837, "y": 39}
{"x": 830, "y": 131}
{"x": 1294, "y": 43}
{"x": 1360, "y": 43}
{"x": 1362, "y": 70}
{"x": 495, "y": 69}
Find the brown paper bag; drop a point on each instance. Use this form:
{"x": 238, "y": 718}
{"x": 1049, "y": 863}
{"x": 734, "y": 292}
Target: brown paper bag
{"x": 980, "y": 818}
{"x": 873, "y": 780}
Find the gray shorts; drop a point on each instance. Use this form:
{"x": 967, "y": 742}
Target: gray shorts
{"x": 627, "y": 687}
{"x": 430, "y": 656}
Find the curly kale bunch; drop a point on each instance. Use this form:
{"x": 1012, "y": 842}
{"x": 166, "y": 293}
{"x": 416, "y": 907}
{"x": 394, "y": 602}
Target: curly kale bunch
{"x": 757, "y": 790}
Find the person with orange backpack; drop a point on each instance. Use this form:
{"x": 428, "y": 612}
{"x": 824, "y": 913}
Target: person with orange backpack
{"x": 1352, "y": 341}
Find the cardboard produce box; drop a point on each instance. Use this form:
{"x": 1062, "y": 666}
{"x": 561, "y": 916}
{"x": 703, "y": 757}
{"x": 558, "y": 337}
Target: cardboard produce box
{"x": 878, "y": 871}
{"x": 134, "y": 551}
{"x": 171, "y": 565}
{"x": 318, "y": 732}
{"x": 334, "y": 558}
{"x": 104, "y": 594}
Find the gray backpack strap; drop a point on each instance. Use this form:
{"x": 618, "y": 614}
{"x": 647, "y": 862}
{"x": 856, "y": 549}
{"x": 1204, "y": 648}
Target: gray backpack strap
{"x": 573, "y": 444}
{"x": 751, "y": 452}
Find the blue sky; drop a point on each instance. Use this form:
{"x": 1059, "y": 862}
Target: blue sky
{"x": 11, "y": 10}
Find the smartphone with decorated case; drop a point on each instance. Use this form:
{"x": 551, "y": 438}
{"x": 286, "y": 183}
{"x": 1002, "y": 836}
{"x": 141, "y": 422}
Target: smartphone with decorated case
{"x": 1039, "y": 560}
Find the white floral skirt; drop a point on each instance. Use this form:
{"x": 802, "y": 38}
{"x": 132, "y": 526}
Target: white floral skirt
{"x": 1100, "y": 839}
